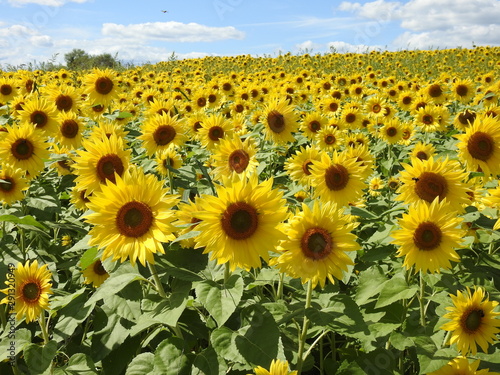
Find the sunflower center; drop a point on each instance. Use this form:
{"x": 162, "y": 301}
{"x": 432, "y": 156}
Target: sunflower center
{"x": 314, "y": 126}
{"x": 69, "y": 128}
{"x": 31, "y": 292}
{"x": 427, "y": 119}
{"x": 134, "y": 219}
{"x": 64, "y": 164}
{"x": 39, "y": 118}
{"x": 98, "y": 108}
{"x": 240, "y": 220}
{"x": 481, "y": 146}
{"x": 6, "y": 90}
{"x": 306, "y": 167}
{"x": 108, "y": 165}
{"x": 201, "y": 102}
{"x": 435, "y": 91}
{"x": 406, "y": 134}
{"x": 336, "y": 177}
{"x": 316, "y": 243}
{"x": 22, "y": 149}
{"x": 164, "y": 134}
{"x": 466, "y": 117}
{"x": 276, "y": 121}
{"x": 7, "y": 184}
{"x": 99, "y": 269}
{"x": 333, "y": 107}
{"x": 431, "y": 185}
{"x": 330, "y": 139}
{"x": 392, "y": 131}
{"x": 104, "y": 85}
{"x": 422, "y": 155}
{"x": 215, "y": 133}
{"x": 64, "y": 103}
{"x": 212, "y": 98}
{"x": 376, "y": 108}
{"x": 471, "y": 320}
{"x": 238, "y": 161}
{"x": 29, "y": 85}
{"x": 407, "y": 100}
{"x": 427, "y": 236}
{"x": 350, "y": 118}
{"x": 462, "y": 90}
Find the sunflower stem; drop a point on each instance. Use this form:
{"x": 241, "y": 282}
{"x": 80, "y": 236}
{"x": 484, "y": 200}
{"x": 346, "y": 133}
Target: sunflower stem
{"x": 227, "y": 272}
{"x": 446, "y": 339}
{"x": 43, "y": 327}
{"x": 279, "y": 294}
{"x": 422, "y": 300}
{"x": 156, "y": 278}
{"x": 303, "y": 332}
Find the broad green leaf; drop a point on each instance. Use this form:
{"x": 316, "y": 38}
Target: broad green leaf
{"x": 88, "y": 257}
{"x": 400, "y": 341}
{"x": 207, "y": 363}
{"x": 21, "y": 338}
{"x": 363, "y": 213}
{"x": 170, "y": 358}
{"x": 220, "y": 300}
{"x": 71, "y": 316}
{"x": 83, "y": 244}
{"x": 223, "y": 341}
{"x": 80, "y": 364}
{"x": 429, "y": 356}
{"x": 39, "y": 357}
{"x": 143, "y": 364}
{"x": 27, "y": 220}
{"x": 258, "y": 341}
{"x": 395, "y": 289}
{"x": 370, "y": 283}
{"x": 113, "y": 285}
{"x": 383, "y": 235}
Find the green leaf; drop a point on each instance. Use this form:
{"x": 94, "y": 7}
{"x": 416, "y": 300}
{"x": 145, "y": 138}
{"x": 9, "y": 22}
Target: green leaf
{"x": 88, "y": 257}
{"x": 207, "y": 362}
{"x": 395, "y": 289}
{"x": 39, "y": 357}
{"x": 113, "y": 285}
{"x": 370, "y": 283}
{"x": 27, "y": 220}
{"x": 223, "y": 341}
{"x": 80, "y": 364}
{"x": 429, "y": 356}
{"x": 258, "y": 342}
{"x": 22, "y": 337}
{"x": 71, "y": 316}
{"x": 83, "y": 244}
{"x": 220, "y": 300}
{"x": 170, "y": 359}
{"x": 363, "y": 213}
{"x": 383, "y": 235}
{"x": 143, "y": 364}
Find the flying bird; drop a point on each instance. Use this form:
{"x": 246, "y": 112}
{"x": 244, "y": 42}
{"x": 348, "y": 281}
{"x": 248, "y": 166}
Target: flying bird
{"x": 164, "y": 11}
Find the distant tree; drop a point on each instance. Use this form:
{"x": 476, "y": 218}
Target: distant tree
{"x": 78, "y": 59}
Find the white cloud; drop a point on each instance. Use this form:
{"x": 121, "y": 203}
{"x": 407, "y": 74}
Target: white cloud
{"x": 41, "y": 41}
{"x": 309, "y": 45}
{"x": 172, "y": 32}
{"x": 443, "y": 23}
{"x": 52, "y": 3}
{"x": 342, "y": 47}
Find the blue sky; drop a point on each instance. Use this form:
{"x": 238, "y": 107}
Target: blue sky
{"x": 36, "y": 30}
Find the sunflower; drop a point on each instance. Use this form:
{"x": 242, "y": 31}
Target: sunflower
{"x": 428, "y": 236}
{"x": 41, "y": 114}
{"x": 462, "y": 366}
{"x": 8, "y": 89}
{"x": 105, "y": 129}
{"x": 338, "y": 179}
{"x": 299, "y": 165}
{"x": 423, "y": 151}
{"x": 479, "y": 147}
{"x": 129, "y": 220}
{"x": 374, "y": 106}
{"x": 70, "y": 130}
{"x": 214, "y": 127}
{"x": 428, "y": 179}
{"x": 278, "y": 367}
{"x": 240, "y": 225}
{"x": 79, "y": 198}
{"x": 23, "y": 147}
{"x": 473, "y": 321}
{"x": 32, "y": 289}
{"x": 234, "y": 157}
{"x": 463, "y": 90}
{"x": 101, "y": 160}
{"x": 160, "y": 106}
{"x": 464, "y": 119}
{"x": 161, "y": 132}
{"x": 167, "y": 158}
{"x": 408, "y": 132}
{"x": 329, "y": 138}
{"x": 364, "y": 158}
{"x": 312, "y": 123}
{"x": 375, "y": 185}
{"x": 405, "y": 99}
{"x": 437, "y": 92}
{"x": 65, "y": 98}
{"x": 391, "y": 131}
{"x": 316, "y": 244}
{"x": 280, "y": 121}
{"x": 428, "y": 119}
{"x": 12, "y": 184}
{"x": 351, "y": 117}
{"x": 95, "y": 274}
{"x": 101, "y": 86}
{"x": 187, "y": 221}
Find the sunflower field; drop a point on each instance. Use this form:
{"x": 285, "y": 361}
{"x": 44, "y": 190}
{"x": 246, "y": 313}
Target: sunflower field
{"x": 299, "y": 214}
